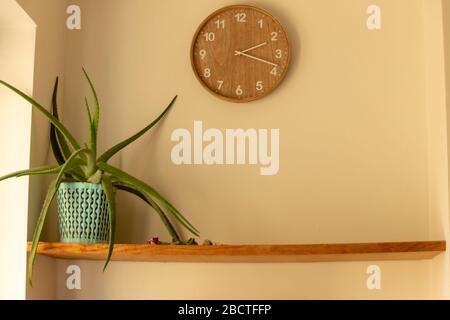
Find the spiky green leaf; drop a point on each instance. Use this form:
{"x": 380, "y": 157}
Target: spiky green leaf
{"x": 92, "y": 139}
{"x": 60, "y": 140}
{"x": 42, "y": 171}
{"x": 145, "y": 197}
{"x": 58, "y": 143}
{"x": 96, "y": 102}
{"x": 33, "y": 172}
{"x": 59, "y": 126}
{"x": 110, "y": 197}
{"x": 111, "y": 152}
{"x": 126, "y": 178}
{"x": 42, "y": 216}
{"x": 37, "y": 232}
{"x": 57, "y": 152}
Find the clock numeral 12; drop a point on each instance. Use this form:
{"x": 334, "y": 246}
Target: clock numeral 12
{"x": 241, "y": 17}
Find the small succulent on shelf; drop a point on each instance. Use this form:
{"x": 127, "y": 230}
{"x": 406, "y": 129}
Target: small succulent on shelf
{"x": 80, "y": 167}
{"x": 190, "y": 242}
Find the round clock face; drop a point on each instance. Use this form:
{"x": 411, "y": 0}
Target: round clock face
{"x": 240, "y": 53}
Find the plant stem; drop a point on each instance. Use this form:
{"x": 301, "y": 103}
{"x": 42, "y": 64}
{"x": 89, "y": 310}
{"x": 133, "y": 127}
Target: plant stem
{"x": 91, "y": 167}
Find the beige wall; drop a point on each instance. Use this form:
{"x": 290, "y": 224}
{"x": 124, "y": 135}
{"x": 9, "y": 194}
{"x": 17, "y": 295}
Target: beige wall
{"x": 49, "y": 16}
{"x": 355, "y": 157}
{"x": 442, "y": 225}
{"x": 17, "y": 44}
{"x": 406, "y": 280}
{"x": 355, "y": 152}
{"x": 437, "y": 132}
{"x": 436, "y": 113}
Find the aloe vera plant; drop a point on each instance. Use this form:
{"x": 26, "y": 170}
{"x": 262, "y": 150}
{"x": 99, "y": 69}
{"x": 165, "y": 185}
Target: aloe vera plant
{"x": 78, "y": 163}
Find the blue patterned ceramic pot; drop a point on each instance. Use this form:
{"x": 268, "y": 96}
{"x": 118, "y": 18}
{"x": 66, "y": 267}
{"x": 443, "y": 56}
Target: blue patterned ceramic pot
{"x": 82, "y": 213}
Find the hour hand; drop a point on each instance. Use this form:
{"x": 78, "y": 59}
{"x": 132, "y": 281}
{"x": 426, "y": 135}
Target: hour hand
{"x": 255, "y": 47}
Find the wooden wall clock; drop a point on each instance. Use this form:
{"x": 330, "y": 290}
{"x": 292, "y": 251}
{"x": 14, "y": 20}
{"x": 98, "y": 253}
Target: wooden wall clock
{"x": 240, "y": 53}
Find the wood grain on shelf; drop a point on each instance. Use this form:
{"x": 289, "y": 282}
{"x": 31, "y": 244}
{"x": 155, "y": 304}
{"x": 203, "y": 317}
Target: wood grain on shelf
{"x": 248, "y": 253}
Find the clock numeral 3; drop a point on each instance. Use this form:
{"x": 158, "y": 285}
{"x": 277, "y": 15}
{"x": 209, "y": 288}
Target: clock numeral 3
{"x": 278, "y": 53}
{"x": 210, "y": 36}
{"x": 241, "y": 17}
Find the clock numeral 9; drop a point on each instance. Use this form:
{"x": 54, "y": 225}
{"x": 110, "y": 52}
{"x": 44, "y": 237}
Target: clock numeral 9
{"x": 210, "y": 36}
{"x": 202, "y": 54}
{"x": 239, "y": 91}
{"x": 241, "y": 17}
{"x": 220, "y": 24}
{"x": 278, "y": 53}
{"x": 274, "y": 36}
{"x": 259, "y": 86}
{"x": 274, "y": 71}
{"x": 207, "y": 73}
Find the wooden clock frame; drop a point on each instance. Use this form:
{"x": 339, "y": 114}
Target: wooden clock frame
{"x": 250, "y": 98}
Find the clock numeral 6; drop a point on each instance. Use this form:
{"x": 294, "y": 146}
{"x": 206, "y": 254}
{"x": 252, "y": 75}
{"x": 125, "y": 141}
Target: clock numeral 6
{"x": 202, "y": 54}
{"x": 207, "y": 73}
{"x": 210, "y": 36}
{"x": 241, "y": 17}
{"x": 259, "y": 86}
{"x": 274, "y": 36}
{"x": 239, "y": 91}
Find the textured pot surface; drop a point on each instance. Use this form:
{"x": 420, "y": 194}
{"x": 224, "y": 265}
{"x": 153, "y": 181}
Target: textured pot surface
{"x": 82, "y": 213}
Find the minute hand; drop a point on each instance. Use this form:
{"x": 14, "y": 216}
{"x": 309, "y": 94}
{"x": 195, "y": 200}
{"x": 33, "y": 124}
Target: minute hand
{"x": 239, "y": 53}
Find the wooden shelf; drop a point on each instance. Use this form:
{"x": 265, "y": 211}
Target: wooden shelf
{"x": 248, "y": 253}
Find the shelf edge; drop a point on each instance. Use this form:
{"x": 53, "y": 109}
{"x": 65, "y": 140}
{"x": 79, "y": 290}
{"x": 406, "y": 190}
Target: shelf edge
{"x": 420, "y": 250}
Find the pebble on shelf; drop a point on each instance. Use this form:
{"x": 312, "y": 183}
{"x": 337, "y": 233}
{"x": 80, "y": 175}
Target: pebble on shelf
{"x": 154, "y": 241}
